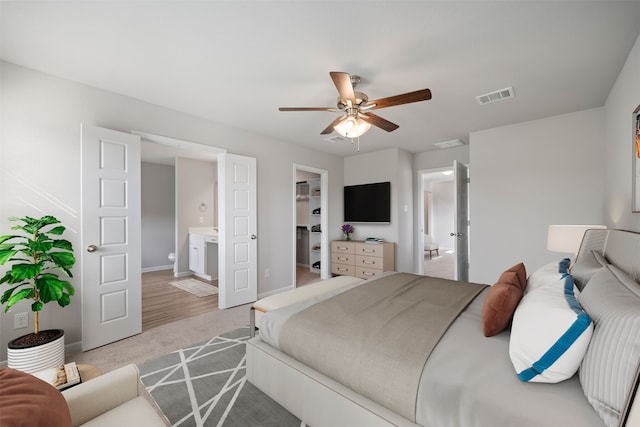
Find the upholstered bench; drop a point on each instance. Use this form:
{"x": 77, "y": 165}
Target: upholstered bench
{"x": 293, "y": 296}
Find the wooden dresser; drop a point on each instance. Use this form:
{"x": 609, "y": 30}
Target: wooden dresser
{"x": 360, "y": 259}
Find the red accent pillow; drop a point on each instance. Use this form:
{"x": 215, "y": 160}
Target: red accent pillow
{"x": 27, "y": 400}
{"x": 502, "y": 299}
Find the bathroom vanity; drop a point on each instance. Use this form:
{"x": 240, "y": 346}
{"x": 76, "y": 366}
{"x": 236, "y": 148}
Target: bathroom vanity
{"x": 203, "y": 252}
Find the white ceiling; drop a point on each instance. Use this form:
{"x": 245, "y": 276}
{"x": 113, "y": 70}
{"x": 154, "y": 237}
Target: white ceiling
{"x": 236, "y": 62}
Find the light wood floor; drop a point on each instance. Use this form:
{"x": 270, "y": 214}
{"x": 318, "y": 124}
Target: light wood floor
{"x": 163, "y": 303}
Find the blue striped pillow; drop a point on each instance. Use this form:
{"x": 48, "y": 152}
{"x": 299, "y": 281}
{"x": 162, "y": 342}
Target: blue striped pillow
{"x": 550, "y": 331}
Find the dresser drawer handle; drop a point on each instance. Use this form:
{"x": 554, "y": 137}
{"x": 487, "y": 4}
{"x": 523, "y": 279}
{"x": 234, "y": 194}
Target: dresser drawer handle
{"x": 342, "y": 248}
{"x": 342, "y": 269}
{"x": 368, "y": 273}
{"x": 364, "y": 261}
{"x": 369, "y": 251}
{"x": 342, "y": 258}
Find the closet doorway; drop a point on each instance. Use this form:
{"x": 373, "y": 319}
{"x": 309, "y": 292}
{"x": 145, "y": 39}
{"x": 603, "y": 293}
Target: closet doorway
{"x": 310, "y": 217}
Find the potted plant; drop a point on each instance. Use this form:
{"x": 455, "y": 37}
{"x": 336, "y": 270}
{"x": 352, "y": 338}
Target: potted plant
{"x": 35, "y": 256}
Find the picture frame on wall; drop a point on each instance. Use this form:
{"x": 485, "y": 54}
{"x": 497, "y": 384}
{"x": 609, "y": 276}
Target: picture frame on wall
{"x": 636, "y": 161}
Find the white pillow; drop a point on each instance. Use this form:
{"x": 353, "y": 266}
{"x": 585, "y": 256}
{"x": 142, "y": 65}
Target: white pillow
{"x": 550, "y": 332}
{"x": 544, "y": 275}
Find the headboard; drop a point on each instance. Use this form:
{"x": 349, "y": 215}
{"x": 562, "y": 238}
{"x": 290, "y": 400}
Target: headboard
{"x": 622, "y": 249}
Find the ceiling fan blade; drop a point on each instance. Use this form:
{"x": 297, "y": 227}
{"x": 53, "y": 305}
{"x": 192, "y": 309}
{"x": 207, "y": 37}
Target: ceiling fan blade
{"x": 344, "y": 86}
{"x": 308, "y": 109}
{"x": 378, "y": 121}
{"x": 405, "y": 98}
{"x": 329, "y": 128}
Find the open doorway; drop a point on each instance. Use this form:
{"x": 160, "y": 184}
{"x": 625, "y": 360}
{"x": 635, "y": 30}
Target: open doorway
{"x": 178, "y": 192}
{"x": 437, "y": 223}
{"x": 443, "y": 219}
{"x": 310, "y": 217}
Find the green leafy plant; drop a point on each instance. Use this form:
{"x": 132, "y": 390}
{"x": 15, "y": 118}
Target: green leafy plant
{"x": 35, "y": 257}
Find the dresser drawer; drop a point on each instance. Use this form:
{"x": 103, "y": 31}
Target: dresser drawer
{"x": 343, "y": 258}
{"x": 371, "y": 249}
{"x": 369, "y": 262}
{"x": 343, "y": 269}
{"x": 367, "y": 273}
{"x": 343, "y": 247}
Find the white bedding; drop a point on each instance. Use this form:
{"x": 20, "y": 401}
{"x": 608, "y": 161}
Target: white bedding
{"x": 469, "y": 381}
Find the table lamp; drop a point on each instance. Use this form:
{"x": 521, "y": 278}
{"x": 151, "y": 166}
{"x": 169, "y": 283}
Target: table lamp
{"x": 567, "y": 238}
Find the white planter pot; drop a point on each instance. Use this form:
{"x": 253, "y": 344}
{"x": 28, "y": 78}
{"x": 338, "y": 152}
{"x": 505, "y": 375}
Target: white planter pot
{"x": 36, "y": 358}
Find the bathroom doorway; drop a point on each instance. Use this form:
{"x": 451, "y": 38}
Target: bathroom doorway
{"x": 171, "y": 203}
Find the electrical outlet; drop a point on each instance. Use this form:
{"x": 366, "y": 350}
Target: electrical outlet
{"x": 20, "y": 320}
{"x": 266, "y": 272}
{"x": 201, "y": 219}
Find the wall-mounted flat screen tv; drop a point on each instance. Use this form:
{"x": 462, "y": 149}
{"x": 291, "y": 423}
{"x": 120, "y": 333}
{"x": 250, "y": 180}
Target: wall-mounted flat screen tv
{"x": 368, "y": 202}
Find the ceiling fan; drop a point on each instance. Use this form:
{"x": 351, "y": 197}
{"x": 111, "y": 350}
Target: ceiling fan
{"x": 358, "y": 117}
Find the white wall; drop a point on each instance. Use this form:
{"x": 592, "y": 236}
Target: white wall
{"x": 392, "y": 165}
{"x": 157, "y": 205}
{"x": 40, "y": 165}
{"x": 623, "y": 99}
{"x": 440, "y": 158}
{"x": 529, "y": 175}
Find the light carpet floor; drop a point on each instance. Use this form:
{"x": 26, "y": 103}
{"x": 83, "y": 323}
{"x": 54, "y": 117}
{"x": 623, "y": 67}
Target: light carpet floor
{"x": 205, "y": 385}
{"x": 195, "y": 287}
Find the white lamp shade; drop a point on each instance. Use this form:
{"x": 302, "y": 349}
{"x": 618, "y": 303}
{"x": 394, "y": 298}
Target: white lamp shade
{"x": 567, "y": 238}
{"x": 352, "y": 127}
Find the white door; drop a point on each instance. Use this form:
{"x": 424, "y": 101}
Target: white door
{"x": 111, "y": 288}
{"x": 237, "y": 259}
{"x": 461, "y": 232}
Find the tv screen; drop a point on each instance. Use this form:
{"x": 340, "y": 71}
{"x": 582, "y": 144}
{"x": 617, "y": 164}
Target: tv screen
{"x": 368, "y": 202}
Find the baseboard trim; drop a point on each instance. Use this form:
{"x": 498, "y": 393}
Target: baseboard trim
{"x": 275, "y": 291}
{"x": 158, "y": 268}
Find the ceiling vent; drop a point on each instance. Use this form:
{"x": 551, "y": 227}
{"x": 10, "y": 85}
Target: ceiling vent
{"x": 337, "y": 138}
{"x": 449, "y": 144}
{"x": 498, "y": 95}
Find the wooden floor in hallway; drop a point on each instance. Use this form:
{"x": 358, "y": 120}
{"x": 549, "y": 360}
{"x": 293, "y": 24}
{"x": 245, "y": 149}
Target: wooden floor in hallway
{"x": 163, "y": 303}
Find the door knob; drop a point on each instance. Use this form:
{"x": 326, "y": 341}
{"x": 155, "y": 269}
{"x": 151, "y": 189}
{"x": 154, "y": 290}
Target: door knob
{"x": 92, "y": 248}
{"x": 253, "y": 237}
{"x": 455, "y": 234}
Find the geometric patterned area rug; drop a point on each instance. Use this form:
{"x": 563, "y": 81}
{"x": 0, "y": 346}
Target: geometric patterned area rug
{"x": 195, "y": 287}
{"x": 205, "y": 385}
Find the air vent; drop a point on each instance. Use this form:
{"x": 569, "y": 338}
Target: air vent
{"x": 336, "y": 138}
{"x": 449, "y": 144}
{"x": 498, "y": 95}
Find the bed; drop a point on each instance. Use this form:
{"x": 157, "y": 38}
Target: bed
{"x": 467, "y": 378}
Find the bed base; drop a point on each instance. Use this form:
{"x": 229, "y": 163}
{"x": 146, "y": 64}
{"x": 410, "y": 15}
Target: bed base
{"x": 314, "y": 398}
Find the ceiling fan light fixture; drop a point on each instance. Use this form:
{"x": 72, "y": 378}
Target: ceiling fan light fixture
{"x": 352, "y": 127}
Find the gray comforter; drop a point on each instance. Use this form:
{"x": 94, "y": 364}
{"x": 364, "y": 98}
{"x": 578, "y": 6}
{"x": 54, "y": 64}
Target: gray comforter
{"x": 376, "y": 337}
